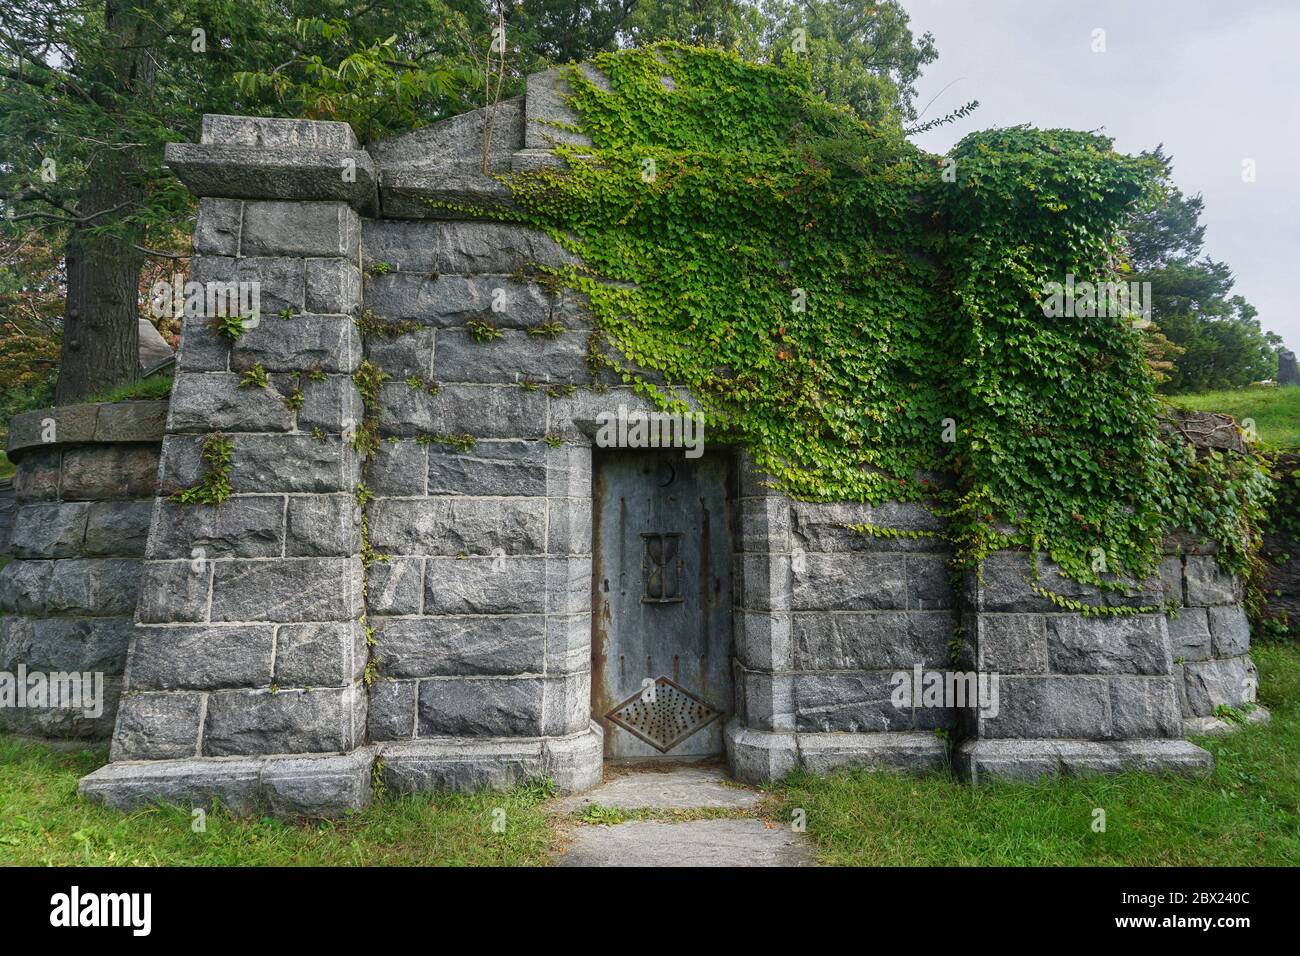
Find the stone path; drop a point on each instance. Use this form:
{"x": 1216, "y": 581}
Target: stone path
{"x": 739, "y": 841}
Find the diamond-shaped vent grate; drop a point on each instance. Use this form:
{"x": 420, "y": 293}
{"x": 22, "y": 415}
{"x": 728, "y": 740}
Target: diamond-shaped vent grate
{"x": 663, "y": 715}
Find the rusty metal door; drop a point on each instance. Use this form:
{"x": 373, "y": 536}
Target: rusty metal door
{"x": 661, "y": 642}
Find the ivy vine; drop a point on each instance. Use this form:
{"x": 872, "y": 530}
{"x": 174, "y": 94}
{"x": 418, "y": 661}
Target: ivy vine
{"x": 861, "y": 314}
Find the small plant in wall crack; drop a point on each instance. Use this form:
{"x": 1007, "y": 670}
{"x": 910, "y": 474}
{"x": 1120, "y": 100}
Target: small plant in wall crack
{"x": 214, "y": 487}
{"x": 482, "y": 331}
{"x": 547, "y": 330}
{"x": 423, "y": 385}
{"x": 230, "y": 327}
{"x": 255, "y": 377}
{"x": 553, "y": 441}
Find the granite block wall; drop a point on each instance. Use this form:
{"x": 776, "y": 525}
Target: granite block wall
{"x": 83, "y": 492}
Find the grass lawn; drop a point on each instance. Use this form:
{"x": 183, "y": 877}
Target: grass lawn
{"x": 1246, "y": 813}
{"x": 1276, "y": 411}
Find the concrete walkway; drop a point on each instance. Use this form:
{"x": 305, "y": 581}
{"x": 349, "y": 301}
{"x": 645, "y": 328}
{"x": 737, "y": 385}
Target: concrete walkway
{"x": 736, "y": 839}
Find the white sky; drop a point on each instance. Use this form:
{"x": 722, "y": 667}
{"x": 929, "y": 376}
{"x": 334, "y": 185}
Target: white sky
{"x": 1216, "y": 82}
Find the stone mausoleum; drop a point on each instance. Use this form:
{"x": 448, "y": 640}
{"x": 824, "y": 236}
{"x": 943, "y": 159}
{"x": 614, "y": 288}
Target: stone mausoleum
{"x": 543, "y": 604}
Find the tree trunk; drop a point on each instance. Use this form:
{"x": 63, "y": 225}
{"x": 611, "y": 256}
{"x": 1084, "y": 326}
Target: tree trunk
{"x": 100, "y": 327}
{"x": 100, "y": 330}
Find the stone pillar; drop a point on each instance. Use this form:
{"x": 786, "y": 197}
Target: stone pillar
{"x": 1210, "y": 641}
{"x": 245, "y": 674}
{"x": 83, "y": 493}
{"x": 828, "y": 615}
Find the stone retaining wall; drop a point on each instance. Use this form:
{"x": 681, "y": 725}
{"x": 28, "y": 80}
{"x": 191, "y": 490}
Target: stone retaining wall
{"x": 84, "y": 489}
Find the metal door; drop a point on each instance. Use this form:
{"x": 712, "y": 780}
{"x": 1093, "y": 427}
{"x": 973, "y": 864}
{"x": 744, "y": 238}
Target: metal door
{"x": 661, "y": 642}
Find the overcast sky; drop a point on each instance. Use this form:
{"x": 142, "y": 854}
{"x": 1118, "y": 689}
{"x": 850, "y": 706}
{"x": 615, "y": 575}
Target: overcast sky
{"x": 1216, "y": 82}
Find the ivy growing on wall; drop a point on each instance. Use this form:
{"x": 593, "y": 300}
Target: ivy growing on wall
{"x": 861, "y": 314}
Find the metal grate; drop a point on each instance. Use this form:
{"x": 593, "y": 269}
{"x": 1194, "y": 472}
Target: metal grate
{"x": 663, "y": 714}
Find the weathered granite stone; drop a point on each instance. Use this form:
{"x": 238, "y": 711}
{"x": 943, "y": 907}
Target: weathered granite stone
{"x": 130, "y": 421}
{"x": 157, "y": 726}
{"x": 486, "y": 585}
{"x": 566, "y": 704}
{"x": 322, "y": 526}
{"x": 54, "y": 644}
{"x": 317, "y": 786}
{"x": 871, "y": 640}
{"x": 1007, "y": 584}
{"x": 763, "y": 640}
{"x": 1012, "y": 643}
{"x": 331, "y": 404}
{"x": 188, "y": 657}
{"x": 24, "y": 585}
{"x": 489, "y": 468}
{"x": 301, "y": 343}
{"x": 203, "y": 348}
{"x": 54, "y": 530}
{"x": 765, "y": 526}
{"x": 480, "y": 707}
{"x": 1208, "y": 584}
{"x": 766, "y": 582}
{"x": 980, "y": 761}
{"x": 1132, "y": 644}
{"x": 396, "y": 586}
{"x": 109, "y": 472}
{"x": 1142, "y": 707}
{"x": 307, "y": 229}
{"x": 287, "y": 590}
{"x": 511, "y": 358}
{"x": 568, "y": 643}
{"x": 453, "y": 526}
{"x": 900, "y": 752}
{"x": 333, "y": 286}
{"x": 849, "y": 581}
{"x": 1189, "y": 634}
{"x": 248, "y": 526}
{"x": 1207, "y": 685}
{"x": 451, "y": 646}
{"x": 398, "y": 468}
{"x": 273, "y": 283}
{"x": 245, "y": 172}
{"x": 568, "y": 525}
{"x": 174, "y": 591}
{"x": 1171, "y": 579}
{"x": 756, "y": 757}
{"x": 550, "y": 120}
{"x": 405, "y": 356}
{"x": 483, "y": 411}
{"x": 458, "y": 247}
{"x": 1230, "y": 631}
{"x": 463, "y": 765}
{"x": 392, "y": 709}
{"x": 319, "y": 465}
{"x": 93, "y": 586}
{"x": 316, "y": 720}
{"x": 38, "y": 478}
{"x": 214, "y": 401}
{"x": 446, "y": 301}
{"x": 1049, "y": 707}
{"x": 854, "y": 702}
{"x": 117, "y": 528}
{"x": 216, "y": 232}
{"x": 331, "y": 654}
